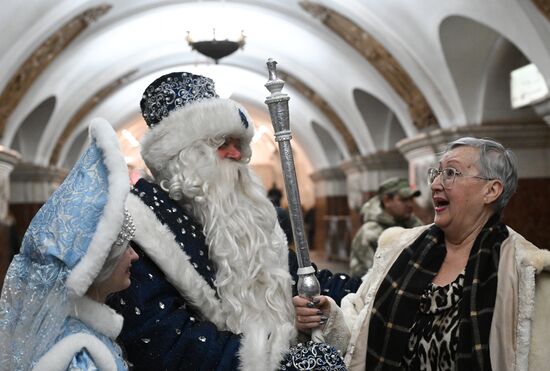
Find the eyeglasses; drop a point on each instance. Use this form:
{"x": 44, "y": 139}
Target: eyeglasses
{"x": 448, "y": 176}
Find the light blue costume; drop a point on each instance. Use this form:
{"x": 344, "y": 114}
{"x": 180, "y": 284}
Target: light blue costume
{"x": 46, "y": 321}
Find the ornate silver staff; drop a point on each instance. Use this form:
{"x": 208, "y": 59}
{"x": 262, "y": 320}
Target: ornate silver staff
{"x": 308, "y": 285}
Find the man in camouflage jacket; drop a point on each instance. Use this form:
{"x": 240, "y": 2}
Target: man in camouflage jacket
{"x": 392, "y": 206}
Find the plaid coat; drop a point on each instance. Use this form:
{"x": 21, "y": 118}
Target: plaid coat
{"x": 523, "y": 301}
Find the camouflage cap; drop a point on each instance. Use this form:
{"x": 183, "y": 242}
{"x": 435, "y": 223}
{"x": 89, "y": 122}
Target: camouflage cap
{"x": 399, "y": 186}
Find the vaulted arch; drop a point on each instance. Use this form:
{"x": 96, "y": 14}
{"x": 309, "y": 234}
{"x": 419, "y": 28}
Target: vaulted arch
{"x": 380, "y": 120}
{"x": 32, "y": 128}
{"x": 482, "y": 78}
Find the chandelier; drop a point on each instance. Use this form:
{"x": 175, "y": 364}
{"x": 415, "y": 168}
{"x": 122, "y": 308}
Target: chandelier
{"x": 214, "y": 48}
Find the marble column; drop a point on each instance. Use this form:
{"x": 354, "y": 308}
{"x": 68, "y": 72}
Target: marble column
{"x": 526, "y": 212}
{"x": 332, "y": 223}
{"x": 543, "y": 110}
{"x": 31, "y": 186}
{"x": 8, "y": 159}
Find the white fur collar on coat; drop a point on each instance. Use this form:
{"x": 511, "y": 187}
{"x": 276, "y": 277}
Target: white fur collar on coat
{"x": 262, "y": 346}
{"x": 528, "y": 261}
{"x": 97, "y": 316}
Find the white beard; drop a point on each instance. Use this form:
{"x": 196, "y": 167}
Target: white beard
{"x": 245, "y": 242}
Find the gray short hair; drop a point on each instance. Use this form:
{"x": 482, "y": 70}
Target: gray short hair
{"x": 495, "y": 162}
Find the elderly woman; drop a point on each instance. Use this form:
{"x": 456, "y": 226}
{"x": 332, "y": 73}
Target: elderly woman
{"x": 74, "y": 254}
{"x": 465, "y": 293}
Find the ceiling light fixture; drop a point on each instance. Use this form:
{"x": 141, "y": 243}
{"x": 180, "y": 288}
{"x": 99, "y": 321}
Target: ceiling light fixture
{"x": 214, "y": 48}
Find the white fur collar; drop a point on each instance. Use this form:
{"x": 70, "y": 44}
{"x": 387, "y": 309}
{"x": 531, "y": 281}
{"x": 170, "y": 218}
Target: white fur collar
{"x": 158, "y": 242}
{"x": 529, "y": 261}
{"x": 529, "y": 254}
{"x": 262, "y": 346}
{"x": 98, "y": 316}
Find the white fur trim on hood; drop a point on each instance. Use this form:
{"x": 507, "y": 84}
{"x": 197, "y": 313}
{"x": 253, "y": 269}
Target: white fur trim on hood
{"x": 110, "y": 223}
{"x": 205, "y": 119}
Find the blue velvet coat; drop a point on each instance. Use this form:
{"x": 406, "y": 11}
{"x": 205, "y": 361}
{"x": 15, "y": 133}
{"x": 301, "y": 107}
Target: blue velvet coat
{"x": 168, "y": 324}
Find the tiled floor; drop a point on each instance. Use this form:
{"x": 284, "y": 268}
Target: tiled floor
{"x": 319, "y": 258}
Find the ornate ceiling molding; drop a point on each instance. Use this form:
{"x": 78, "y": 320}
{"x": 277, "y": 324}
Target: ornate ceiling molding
{"x": 333, "y": 173}
{"x": 543, "y": 6}
{"x": 325, "y": 108}
{"x": 515, "y": 136}
{"x": 377, "y": 55}
{"x": 41, "y": 58}
{"x": 381, "y": 160}
{"x": 86, "y": 108}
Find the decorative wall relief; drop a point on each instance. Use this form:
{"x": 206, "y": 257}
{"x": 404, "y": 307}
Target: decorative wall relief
{"x": 92, "y": 102}
{"x": 41, "y": 58}
{"x": 544, "y": 7}
{"x": 324, "y": 107}
{"x": 380, "y": 58}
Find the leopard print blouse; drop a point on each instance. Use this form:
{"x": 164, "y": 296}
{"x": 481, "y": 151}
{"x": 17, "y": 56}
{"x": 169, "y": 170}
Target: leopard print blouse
{"x": 433, "y": 338}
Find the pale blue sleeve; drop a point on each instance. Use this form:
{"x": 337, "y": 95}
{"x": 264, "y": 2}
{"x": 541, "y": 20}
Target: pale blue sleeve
{"x": 82, "y": 361}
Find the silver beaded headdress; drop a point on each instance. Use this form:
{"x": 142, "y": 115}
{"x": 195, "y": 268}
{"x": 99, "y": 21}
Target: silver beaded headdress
{"x": 127, "y": 231}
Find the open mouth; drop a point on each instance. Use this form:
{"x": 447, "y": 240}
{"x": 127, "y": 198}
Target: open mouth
{"x": 440, "y": 204}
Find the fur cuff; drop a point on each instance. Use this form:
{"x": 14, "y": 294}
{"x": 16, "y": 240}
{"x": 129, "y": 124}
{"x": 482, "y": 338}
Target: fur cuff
{"x": 61, "y": 354}
{"x": 336, "y": 331}
{"x": 261, "y": 350}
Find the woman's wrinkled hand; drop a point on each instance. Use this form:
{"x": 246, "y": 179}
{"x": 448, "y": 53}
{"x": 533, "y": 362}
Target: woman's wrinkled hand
{"x": 311, "y": 313}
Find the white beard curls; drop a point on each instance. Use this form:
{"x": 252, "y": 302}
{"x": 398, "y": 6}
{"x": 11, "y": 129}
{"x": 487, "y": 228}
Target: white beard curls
{"x": 245, "y": 242}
